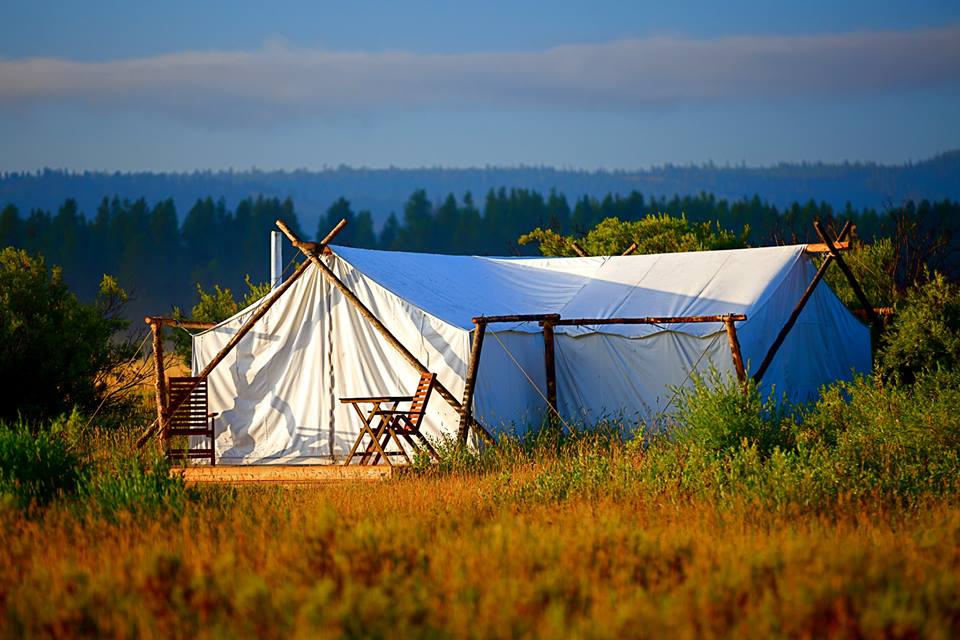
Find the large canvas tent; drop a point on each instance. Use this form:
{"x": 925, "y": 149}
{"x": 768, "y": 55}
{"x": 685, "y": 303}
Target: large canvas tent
{"x": 277, "y": 392}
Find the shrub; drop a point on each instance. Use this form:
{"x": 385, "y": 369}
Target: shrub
{"x": 719, "y": 415}
{"x": 56, "y": 353}
{"x": 133, "y": 485}
{"x": 215, "y": 306}
{"x": 924, "y": 334}
{"x": 36, "y": 468}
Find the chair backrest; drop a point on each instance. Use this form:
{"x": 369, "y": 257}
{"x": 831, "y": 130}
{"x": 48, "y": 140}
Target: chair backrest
{"x": 193, "y": 411}
{"x": 420, "y": 397}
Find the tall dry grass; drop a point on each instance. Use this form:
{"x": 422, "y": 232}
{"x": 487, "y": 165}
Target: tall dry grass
{"x": 466, "y": 556}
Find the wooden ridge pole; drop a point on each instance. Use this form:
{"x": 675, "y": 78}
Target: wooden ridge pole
{"x": 379, "y": 326}
{"x": 788, "y": 325}
{"x": 466, "y": 407}
{"x": 835, "y": 253}
{"x": 238, "y": 336}
{"x": 630, "y": 249}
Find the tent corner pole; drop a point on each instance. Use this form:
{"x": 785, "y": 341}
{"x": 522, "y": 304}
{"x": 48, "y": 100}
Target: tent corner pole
{"x": 735, "y": 353}
{"x": 469, "y": 385}
{"x": 854, "y": 284}
{"x": 550, "y": 369}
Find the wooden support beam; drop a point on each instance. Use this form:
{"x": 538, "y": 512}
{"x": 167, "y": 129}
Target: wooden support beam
{"x": 160, "y": 378}
{"x": 788, "y": 325}
{"x": 823, "y": 248}
{"x": 735, "y": 350}
{"x": 183, "y": 324}
{"x": 864, "y": 303}
{"x": 528, "y": 317}
{"x": 381, "y": 328}
{"x": 466, "y": 407}
{"x": 630, "y": 249}
{"x": 577, "y": 249}
{"x": 550, "y": 367}
{"x": 733, "y": 317}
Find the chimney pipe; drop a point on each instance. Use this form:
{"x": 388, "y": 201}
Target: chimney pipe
{"x": 276, "y": 260}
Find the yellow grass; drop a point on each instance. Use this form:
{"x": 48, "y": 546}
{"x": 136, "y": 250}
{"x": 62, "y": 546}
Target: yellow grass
{"x": 468, "y": 556}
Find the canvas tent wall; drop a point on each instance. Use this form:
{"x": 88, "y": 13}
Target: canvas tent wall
{"x": 278, "y": 392}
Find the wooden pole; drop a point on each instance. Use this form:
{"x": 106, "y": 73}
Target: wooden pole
{"x": 160, "y": 380}
{"x": 466, "y": 407}
{"x": 788, "y": 325}
{"x": 577, "y": 249}
{"x": 835, "y": 253}
{"x": 630, "y": 249}
{"x": 380, "y": 327}
{"x": 550, "y": 367}
{"x": 736, "y": 317}
{"x": 735, "y": 351}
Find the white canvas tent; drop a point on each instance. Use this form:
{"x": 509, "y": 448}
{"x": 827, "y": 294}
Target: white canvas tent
{"x": 277, "y": 392}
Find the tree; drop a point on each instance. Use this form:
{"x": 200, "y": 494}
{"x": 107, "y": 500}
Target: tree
{"x": 56, "y": 353}
{"x": 659, "y": 233}
{"x": 214, "y": 306}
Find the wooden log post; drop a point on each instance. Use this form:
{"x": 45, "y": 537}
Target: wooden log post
{"x": 854, "y": 284}
{"x": 242, "y": 331}
{"x": 735, "y": 350}
{"x": 160, "y": 378}
{"x": 550, "y": 369}
{"x": 577, "y": 249}
{"x": 466, "y": 406}
{"x": 381, "y": 328}
{"x": 630, "y": 249}
{"x": 788, "y": 325}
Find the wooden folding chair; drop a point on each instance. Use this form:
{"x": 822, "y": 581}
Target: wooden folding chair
{"x": 191, "y": 418}
{"x": 384, "y": 422}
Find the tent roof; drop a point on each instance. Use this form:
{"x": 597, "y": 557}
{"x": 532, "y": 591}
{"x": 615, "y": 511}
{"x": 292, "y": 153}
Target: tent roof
{"x": 457, "y": 288}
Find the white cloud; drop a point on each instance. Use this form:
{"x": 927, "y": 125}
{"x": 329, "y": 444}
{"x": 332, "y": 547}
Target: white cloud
{"x": 278, "y": 83}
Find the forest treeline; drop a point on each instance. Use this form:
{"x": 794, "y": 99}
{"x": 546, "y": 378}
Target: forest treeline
{"x": 160, "y": 260}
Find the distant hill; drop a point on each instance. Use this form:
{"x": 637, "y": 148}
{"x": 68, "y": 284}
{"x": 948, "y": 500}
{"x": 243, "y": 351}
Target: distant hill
{"x": 383, "y": 191}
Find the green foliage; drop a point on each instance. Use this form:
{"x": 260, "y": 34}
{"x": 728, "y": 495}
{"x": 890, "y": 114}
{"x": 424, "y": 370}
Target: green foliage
{"x": 717, "y": 415}
{"x": 56, "y": 353}
{"x": 874, "y": 266}
{"x": 925, "y": 332}
{"x": 133, "y": 485}
{"x": 660, "y": 233}
{"x": 214, "y": 306}
{"x": 36, "y": 467}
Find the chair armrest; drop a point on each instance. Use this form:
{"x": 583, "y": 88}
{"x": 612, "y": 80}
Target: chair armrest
{"x": 372, "y": 399}
{"x": 213, "y": 415}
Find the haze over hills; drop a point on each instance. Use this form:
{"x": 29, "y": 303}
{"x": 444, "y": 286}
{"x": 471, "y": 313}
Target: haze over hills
{"x": 383, "y": 191}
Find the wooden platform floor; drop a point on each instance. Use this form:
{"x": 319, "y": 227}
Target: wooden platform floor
{"x": 282, "y": 474}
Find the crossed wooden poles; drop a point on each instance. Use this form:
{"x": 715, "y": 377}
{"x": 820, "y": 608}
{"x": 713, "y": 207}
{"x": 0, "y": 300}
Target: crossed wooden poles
{"x": 312, "y": 250}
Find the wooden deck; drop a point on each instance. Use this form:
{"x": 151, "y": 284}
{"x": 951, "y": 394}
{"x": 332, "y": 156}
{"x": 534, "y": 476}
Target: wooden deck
{"x": 282, "y": 474}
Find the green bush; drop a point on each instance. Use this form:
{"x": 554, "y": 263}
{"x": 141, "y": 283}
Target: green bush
{"x": 925, "y": 332}
{"x": 215, "y": 306}
{"x": 37, "y": 467}
{"x": 56, "y": 353}
{"x": 133, "y": 485}
{"x": 717, "y": 415}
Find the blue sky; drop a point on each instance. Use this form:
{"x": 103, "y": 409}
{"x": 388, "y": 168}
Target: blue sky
{"x": 187, "y": 85}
